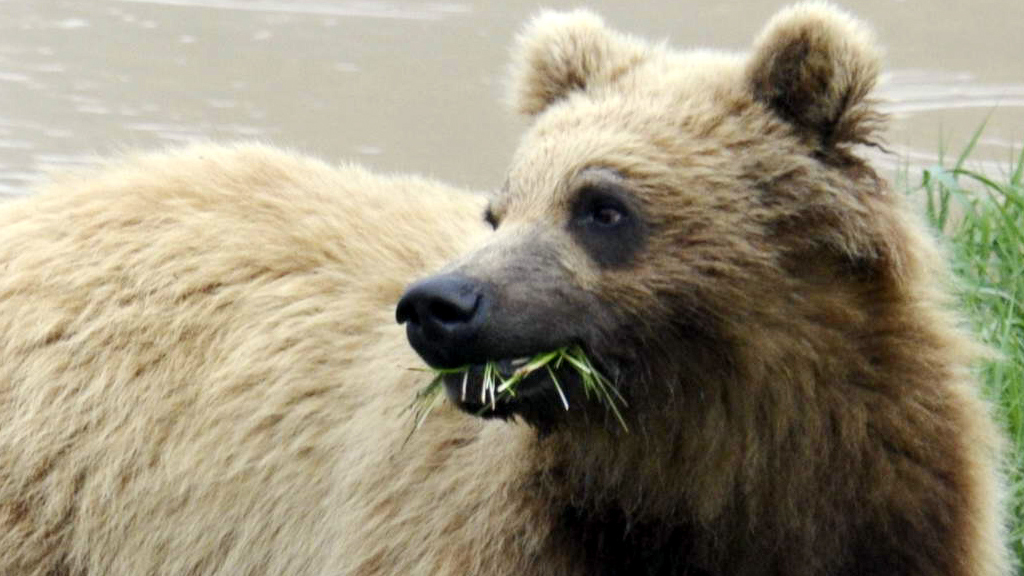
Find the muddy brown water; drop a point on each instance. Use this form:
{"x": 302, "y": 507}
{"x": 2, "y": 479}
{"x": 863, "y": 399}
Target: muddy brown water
{"x": 417, "y": 86}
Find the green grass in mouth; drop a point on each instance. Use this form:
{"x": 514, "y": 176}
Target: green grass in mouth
{"x": 498, "y": 387}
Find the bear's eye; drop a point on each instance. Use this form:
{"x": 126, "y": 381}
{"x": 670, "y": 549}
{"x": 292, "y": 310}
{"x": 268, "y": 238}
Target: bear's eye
{"x": 606, "y": 223}
{"x": 601, "y": 210}
{"x": 607, "y": 216}
{"x": 490, "y": 218}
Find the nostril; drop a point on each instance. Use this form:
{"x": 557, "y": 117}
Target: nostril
{"x": 448, "y": 312}
{"x": 444, "y": 313}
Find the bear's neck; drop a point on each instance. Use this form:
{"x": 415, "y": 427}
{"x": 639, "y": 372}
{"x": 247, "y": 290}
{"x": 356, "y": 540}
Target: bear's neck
{"x": 607, "y": 542}
{"x": 613, "y": 512}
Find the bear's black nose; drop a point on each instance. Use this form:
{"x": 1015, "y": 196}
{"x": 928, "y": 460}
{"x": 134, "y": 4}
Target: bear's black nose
{"x": 443, "y": 315}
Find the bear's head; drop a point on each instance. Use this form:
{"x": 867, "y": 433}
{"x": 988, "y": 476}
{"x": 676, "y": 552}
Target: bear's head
{"x": 686, "y": 218}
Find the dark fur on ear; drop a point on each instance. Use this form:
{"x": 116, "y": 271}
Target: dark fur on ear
{"x": 559, "y": 52}
{"x": 815, "y": 66}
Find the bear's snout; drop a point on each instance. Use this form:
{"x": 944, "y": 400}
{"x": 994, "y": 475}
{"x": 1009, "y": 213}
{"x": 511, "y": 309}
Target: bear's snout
{"x": 443, "y": 315}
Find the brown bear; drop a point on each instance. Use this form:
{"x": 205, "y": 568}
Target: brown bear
{"x": 200, "y": 371}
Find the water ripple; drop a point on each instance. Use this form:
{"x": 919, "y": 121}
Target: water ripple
{"x": 356, "y": 9}
{"x": 913, "y": 91}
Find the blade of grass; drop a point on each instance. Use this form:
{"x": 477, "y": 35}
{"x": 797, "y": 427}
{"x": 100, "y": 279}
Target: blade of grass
{"x": 561, "y": 394}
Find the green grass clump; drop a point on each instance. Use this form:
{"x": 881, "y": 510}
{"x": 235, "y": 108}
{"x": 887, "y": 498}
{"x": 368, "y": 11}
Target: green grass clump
{"x": 982, "y": 216}
{"x": 498, "y": 386}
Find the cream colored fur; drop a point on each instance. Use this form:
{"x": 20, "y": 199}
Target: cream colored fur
{"x": 200, "y": 373}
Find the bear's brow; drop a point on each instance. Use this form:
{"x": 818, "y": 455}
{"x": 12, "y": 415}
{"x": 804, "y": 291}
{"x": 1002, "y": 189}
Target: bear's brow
{"x": 600, "y": 173}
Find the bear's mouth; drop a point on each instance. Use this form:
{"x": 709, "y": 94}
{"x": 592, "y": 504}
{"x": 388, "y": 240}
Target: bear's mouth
{"x": 495, "y": 389}
{"x": 541, "y": 388}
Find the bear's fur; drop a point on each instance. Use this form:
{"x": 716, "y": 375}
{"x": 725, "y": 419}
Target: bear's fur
{"x": 200, "y": 372}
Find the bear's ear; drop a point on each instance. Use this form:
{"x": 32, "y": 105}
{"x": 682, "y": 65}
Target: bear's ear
{"x": 815, "y": 66}
{"x": 559, "y": 52}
